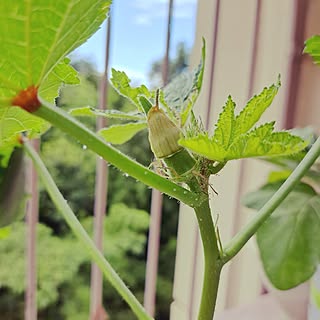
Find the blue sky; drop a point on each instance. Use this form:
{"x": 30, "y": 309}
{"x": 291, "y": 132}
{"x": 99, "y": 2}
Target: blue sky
{"x": 138, "y": 35}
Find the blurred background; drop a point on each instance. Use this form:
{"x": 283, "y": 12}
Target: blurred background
{"x": 151, "y": 241}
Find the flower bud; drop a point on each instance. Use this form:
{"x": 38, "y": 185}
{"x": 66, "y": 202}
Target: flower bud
{"x": 163, "y": 137}
{"x": 163, "y": 134}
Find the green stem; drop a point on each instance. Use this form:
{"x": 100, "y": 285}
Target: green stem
{"x": 212, "y": 262}
{"x": 240, "y": 239}
{"x": 83, "y": 237}
{"x": 70, "y": 125}
{"x": 212, "y": 259}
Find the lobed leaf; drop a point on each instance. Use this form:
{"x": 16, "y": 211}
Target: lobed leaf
{"x": 233, "y": 139}
{"x": 121, "y": 83}
{"x": 312, "y": 46}
{"x": 111, "y": 114}
{"x": 255, "y": 107}
{"x": 36, "y": 37}
{"x": 257, "y": 143}
{"x": 288, "y": 240}
{"x": 204, "y": 146}
{"x": 119, "y": 134}
{"x": 224, "y": 132}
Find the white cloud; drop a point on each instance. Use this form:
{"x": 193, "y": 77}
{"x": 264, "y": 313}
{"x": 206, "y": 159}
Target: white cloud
{"x": 146, "y": 11}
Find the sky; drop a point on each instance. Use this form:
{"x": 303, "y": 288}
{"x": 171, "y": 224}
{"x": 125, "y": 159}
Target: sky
{"x": 138, "y": 35}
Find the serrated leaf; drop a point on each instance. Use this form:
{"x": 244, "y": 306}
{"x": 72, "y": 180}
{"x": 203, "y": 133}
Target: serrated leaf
{"x": 121, "y": 83}
{"x": 224, "y": 132}
{"x": 62, "y": 73}
{"x": 257, "y": 143}
{"x": 119, "y": 134}
{"x": 111, "y": 114}
{"x": 182, "y": 92}
{"x": 204, "y": 146}
{"x": 255, "y": 107}
{"x": 289, "y": 239}
{"x": 312, "y": 46}
{"x": 35, "y": 39}
{"x": 14, "y": 120}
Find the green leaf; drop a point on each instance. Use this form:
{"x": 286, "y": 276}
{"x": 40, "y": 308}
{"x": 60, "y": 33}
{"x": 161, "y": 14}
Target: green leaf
{"x": 182, "y": 92}
{"x": 256, "y": 106}
{"x": 14, "y": 120}
{"x": 111, "y": 114}
{"x": 204, "y": 146}
{"x": 145, "y": 103}
{"x": 119, "y": 134}
{"x": 312, "y": 46}
{"x": 121, "y": 83}
{"x": 35, "y": 38}
{"x": 257, "y": 143}
{"x": 62, "y": 73}
{"x": 289, "y": 239}
{"x": 232, "y": 138}
{"x": 224, "y": 132}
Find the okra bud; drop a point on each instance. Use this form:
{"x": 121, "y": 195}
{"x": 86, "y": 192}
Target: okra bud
{"x": 163, "y": 137}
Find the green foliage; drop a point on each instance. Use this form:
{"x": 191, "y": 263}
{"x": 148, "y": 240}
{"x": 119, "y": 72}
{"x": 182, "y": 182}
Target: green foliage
{"x": 234, "y": 138}
{"x": 119, "y": 134}
{"x": 312, "y": 46}
{"x": 287, "y": 239}
{"x": 58, "y": 261}
{"x": 177, "y": 99}
{"x": 121, "y": 83}
{"x": 60, "y": 258}
{"x": 37, "y": 38}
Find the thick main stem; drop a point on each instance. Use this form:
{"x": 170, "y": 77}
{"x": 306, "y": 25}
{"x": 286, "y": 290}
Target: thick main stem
{"x": 83, "y": 237}
{"x": 212, "y": 261}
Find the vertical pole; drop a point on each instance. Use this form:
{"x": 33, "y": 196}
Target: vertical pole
{"x": 156, "y": 206}
{"x": 295, "y": 60}
{"x": 31, "y": 238}
{"x": 97, "y": 311}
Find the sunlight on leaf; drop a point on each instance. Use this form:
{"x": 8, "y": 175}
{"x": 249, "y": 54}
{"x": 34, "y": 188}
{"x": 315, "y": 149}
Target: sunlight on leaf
{"x": 119, "y": 134}
{"x": 233, "y": 137}
{"x": 36, "y": 37}
{"x": 224, "y": 132}
{"x": 255, "y": 107}
{"x": 312, "y": 46}
{"x": 121, "y": 83}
